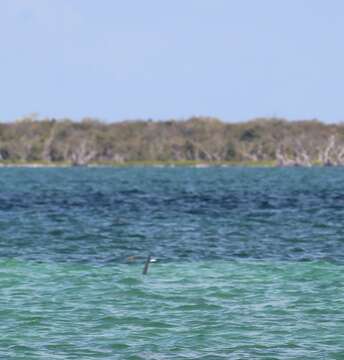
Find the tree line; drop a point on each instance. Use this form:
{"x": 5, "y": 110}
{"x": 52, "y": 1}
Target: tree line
{"x": 197, "y": 139}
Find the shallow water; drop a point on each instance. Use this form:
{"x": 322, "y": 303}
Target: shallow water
{"x": 250, "y": 263}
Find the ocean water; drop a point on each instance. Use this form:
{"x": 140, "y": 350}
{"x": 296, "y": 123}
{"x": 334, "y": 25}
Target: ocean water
{"x": 249, "y": 263}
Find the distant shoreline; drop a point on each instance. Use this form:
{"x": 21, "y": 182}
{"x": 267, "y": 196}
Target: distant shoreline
{"x": 155, "y": 164}
{"x": 198, "y": 141}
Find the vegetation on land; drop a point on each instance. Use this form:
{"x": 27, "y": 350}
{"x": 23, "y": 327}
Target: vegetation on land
{"x": 263, "y": 141}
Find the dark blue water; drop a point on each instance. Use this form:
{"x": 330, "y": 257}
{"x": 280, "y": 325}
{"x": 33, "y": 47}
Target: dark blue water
{"x": 105, "y": 215}
{"x": 250, "y": 263}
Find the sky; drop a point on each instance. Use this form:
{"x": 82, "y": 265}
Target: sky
{"x": 153, "y": 59}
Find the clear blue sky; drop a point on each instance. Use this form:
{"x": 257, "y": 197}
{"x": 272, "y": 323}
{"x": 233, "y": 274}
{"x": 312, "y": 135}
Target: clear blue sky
{"x": 113, "y": 59}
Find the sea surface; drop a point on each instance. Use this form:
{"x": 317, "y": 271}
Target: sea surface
{"x": 250, "y": 263}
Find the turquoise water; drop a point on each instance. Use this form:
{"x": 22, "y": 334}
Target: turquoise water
{"x": 250, "y": 263}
